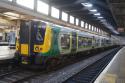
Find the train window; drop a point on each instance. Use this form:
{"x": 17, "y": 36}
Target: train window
{"x": 72, "y": 19}
{"x": 65, "y": 41}
{"x": 77, "y": 21}
{"x": 39, "y": 35}
{"x": 80, "y": 41}
{"x": 55, "y": 12}
{"x": 97, "y": 42}
{"x": 42, "y": 7}
{"x": 89, "y": 41}
{"x": 85, "y": 41}
{"x": 26, "y": 3}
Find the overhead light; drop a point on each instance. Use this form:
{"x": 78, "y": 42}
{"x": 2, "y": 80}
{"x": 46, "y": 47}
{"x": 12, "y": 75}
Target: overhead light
{"x": 87, "y": 4}
{"x": 11, "y": 14}
{"x": 97, "y": 14}
{"x": 100, "y": 17}
{"x": 103, "y": 20}
{"x": 93, "y": 10}
{"x": 11, "y": 17}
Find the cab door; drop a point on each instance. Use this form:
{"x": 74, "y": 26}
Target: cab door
{"x": 24, "y": 33}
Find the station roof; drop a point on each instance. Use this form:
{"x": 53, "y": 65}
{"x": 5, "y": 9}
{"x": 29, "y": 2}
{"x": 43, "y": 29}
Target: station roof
{"x": 107, "y": 15}
{"x": 79, "y": 8}
{"x": 118, "y": 9}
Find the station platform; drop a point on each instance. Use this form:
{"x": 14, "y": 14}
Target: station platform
{"x": 6, "y": 53}
{"x": 115, "y": 70}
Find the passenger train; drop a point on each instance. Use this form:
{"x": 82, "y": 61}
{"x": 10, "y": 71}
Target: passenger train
{"x": 40, "y": 42}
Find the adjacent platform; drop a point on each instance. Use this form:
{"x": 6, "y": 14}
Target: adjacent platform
{"x": 115, "y": 70}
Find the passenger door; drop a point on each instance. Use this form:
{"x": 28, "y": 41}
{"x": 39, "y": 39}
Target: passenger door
{"x": 74, "y": 42}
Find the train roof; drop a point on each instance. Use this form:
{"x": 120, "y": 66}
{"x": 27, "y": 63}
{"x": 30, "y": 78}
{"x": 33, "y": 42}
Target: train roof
{"x": 68, "y": 30}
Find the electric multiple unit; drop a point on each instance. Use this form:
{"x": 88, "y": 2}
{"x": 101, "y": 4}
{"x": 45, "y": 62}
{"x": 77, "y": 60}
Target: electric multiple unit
{"x": 39, "y": 42}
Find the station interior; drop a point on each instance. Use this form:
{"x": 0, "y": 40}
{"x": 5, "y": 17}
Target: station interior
{"x": 98, "y": 25}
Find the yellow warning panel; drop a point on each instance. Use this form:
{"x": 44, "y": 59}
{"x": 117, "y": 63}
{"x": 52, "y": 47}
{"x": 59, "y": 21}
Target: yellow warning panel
{"x": 24, "y": 49}
{"x": 37, "y": 48}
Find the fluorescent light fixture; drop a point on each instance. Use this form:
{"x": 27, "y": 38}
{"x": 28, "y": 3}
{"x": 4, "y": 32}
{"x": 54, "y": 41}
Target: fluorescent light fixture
{"x": 97, "y": 14}
{"x": 93, "y": 10}
{"x": 116, "y": 32}
{"x": 11, "y": 15}
{"x": 87, "y": 4}
{"x": 100, "y": 17}
{"x": 103, "y": 20}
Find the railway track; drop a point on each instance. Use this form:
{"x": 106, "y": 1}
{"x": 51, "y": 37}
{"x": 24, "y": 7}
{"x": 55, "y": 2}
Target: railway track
{"x": 20, "y": 75}
{"x": 90, "y": 73}
{"x": 17, "y": 76}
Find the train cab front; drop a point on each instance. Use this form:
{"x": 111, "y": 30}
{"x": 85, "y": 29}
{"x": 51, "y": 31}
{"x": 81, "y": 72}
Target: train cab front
{"x": 23, "y": 51}
{"x": 31, "y": 36}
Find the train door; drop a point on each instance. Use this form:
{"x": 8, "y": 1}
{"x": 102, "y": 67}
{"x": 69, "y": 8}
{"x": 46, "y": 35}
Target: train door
{"x": 25, "y": 38}
{"x": 55, "y": 47}
{"x": 74, "y": 42}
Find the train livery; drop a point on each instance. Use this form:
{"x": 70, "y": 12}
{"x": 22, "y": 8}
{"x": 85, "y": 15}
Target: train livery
{"x": 40, "y": 42}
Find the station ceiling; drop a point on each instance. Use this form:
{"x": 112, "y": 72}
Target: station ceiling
{"x": 118, "y": 9}
{"x": 111, "y": 10}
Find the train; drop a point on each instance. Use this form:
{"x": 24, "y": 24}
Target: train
{"x": 40, "y": 43}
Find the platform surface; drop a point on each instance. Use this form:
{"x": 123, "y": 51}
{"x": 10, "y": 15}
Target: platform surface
{"x": 115, "y": 70}
{"x": 6, "y": 52}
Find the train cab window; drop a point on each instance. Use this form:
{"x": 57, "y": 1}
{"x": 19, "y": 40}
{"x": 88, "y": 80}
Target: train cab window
{"x": 65, "y": 41}
{"x": 39, "y": 36}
